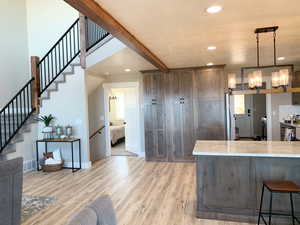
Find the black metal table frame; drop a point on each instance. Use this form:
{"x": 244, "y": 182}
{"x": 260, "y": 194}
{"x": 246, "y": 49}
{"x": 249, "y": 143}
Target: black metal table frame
{"x": 74, "y": 169}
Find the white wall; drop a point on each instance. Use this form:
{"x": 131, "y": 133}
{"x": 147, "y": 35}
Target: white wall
{"x": 276, "y": 101}
{"x": 69, "y": 106}
{"x": 286, "y": 110}
{"x": 96, "y": 120}
{"x": 47, "y": 22}
{"x": 14, "y": 65}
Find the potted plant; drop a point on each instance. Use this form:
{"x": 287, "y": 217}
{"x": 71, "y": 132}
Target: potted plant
{"x": 47, "y": 121}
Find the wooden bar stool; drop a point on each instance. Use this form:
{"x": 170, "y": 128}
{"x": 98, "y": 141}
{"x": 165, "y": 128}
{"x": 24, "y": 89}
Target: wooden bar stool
{"x": 287, "y": 187}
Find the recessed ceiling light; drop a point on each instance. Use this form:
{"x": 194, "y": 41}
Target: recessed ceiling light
{"x": 281, "y": 58}
{"x": 210, "y": 64}
{"x": 214, "y": 9}
{"x": 211, "y": 48}
{"x": 127, "y": 70}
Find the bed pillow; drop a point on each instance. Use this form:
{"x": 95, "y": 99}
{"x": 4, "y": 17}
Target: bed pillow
{"x": 117, "y": 122}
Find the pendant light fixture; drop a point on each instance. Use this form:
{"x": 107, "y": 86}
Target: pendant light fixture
{"x": 280, "y": 78}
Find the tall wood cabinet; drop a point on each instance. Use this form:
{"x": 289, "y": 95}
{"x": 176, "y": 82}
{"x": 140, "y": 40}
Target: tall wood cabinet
{"x": 180, "y": 107}
{"x": 180, "y": 127}
{"x": 154, "y": 117}
{"x": 210, "y": 104}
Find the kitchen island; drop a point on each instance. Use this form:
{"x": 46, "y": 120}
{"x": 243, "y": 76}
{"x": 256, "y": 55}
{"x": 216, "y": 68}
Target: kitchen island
{"x": 230, "y": 175}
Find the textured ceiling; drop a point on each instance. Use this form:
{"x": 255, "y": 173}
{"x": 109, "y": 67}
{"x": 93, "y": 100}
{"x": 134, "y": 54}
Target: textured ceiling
{"x": 179, "y": 31}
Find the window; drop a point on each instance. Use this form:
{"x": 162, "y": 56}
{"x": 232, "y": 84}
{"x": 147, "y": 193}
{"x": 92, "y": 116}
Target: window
{"x": 239, "y": 104}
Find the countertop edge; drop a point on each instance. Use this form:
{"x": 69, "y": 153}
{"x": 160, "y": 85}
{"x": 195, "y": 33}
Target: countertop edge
{"x": 247, "y": 154}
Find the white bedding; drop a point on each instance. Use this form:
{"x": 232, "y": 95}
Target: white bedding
{"x": 116, "y": 133}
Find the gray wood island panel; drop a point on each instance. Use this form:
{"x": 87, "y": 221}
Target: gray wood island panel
{"x": 229, "y": 180}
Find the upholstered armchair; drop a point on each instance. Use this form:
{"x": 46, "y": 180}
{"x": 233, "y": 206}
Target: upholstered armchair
{"x": 99, "y": 212}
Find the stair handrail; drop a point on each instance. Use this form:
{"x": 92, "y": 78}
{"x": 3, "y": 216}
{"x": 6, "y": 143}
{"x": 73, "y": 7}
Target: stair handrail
{"x": 21, "y": 104}
{"x": 97, "y": 132}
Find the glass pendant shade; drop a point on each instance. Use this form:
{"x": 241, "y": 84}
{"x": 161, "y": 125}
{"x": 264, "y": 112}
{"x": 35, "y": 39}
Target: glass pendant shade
{"x": 284, "y": 77}
{"x": 231, "y": 80}
{"x": 275, "y": 79}
{"x": 255, "y": 79}
{"x": 251, "y": 83}
{"x": 257, "y": 76}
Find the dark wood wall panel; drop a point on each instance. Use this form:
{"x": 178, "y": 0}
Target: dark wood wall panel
{"x": 210, "y": 105}
{"x": 180, "y": 107}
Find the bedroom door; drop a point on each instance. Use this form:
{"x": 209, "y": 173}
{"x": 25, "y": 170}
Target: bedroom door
{"x": 132, "y": 134}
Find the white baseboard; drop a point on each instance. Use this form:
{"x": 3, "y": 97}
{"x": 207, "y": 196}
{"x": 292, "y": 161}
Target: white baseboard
{"x": 29, "y": 165}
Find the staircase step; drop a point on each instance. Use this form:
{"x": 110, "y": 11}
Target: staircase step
{"x": 13, "y": 121}
{"x": 9, "y": 149}
{"x": 60, "y": 79}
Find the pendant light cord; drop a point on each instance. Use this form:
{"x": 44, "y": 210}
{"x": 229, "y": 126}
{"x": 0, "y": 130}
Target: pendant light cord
{"x": 274, "y": 39}
{"x": 257, "y": 48}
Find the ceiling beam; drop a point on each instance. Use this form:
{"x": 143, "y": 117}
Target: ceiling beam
{"x": 95, "y": 12}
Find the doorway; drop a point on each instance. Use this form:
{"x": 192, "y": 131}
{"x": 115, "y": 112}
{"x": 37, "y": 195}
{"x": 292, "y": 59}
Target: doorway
{"x": 122, "y": 119}
{"x": 249, "y": 117}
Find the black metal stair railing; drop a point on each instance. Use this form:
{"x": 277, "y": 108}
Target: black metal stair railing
{"x": 59, "y": 56}
{"x": 66, "y": 49}
{"x": 15, "y": 113}
{"x": 94, "y": 34}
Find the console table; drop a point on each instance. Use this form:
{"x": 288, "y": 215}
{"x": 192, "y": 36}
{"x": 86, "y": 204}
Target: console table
{"x": 60, "y": 140}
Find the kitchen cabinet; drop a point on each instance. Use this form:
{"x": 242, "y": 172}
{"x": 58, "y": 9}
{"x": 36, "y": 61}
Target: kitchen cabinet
{"x": 154, "y": 117}
{"x": 181, "y": 111}
{"x": 210, "y": 105}
{"x": 180, "y": 107}
{"x": 296, "y": 84}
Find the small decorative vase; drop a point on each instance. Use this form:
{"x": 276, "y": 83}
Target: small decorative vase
{"x": 69, "y": 131}
{"x": 58, "y": 131}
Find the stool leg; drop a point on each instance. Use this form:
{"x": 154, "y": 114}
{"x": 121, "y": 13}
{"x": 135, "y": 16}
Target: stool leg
{"x": 270, "y": 208}
{"x": 261, "y": 203}
{"x": 292, "y": 207}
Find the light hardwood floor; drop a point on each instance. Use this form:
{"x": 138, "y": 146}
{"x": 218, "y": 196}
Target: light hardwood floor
{"x": 143, "y": 193}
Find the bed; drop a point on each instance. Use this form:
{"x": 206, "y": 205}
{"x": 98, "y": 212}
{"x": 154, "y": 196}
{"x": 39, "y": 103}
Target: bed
{"x": 117, "y": 133}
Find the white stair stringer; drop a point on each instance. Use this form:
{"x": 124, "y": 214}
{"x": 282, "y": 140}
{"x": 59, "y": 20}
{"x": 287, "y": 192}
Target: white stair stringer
{"x": 61, "y": 79}
{"x": 19, "y": 137}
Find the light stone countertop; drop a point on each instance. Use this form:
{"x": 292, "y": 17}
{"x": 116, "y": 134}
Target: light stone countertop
{"x": 248, "y": 148}
{"x": 296, "y": 125}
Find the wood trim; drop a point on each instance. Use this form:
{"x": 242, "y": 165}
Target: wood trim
{"x": 82, "y": 34}
{"x": 35, "y": 73}
{"x": 100, "y": 16}
{"x": 221, "y": 66}
{"x": 266, "y": 91}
